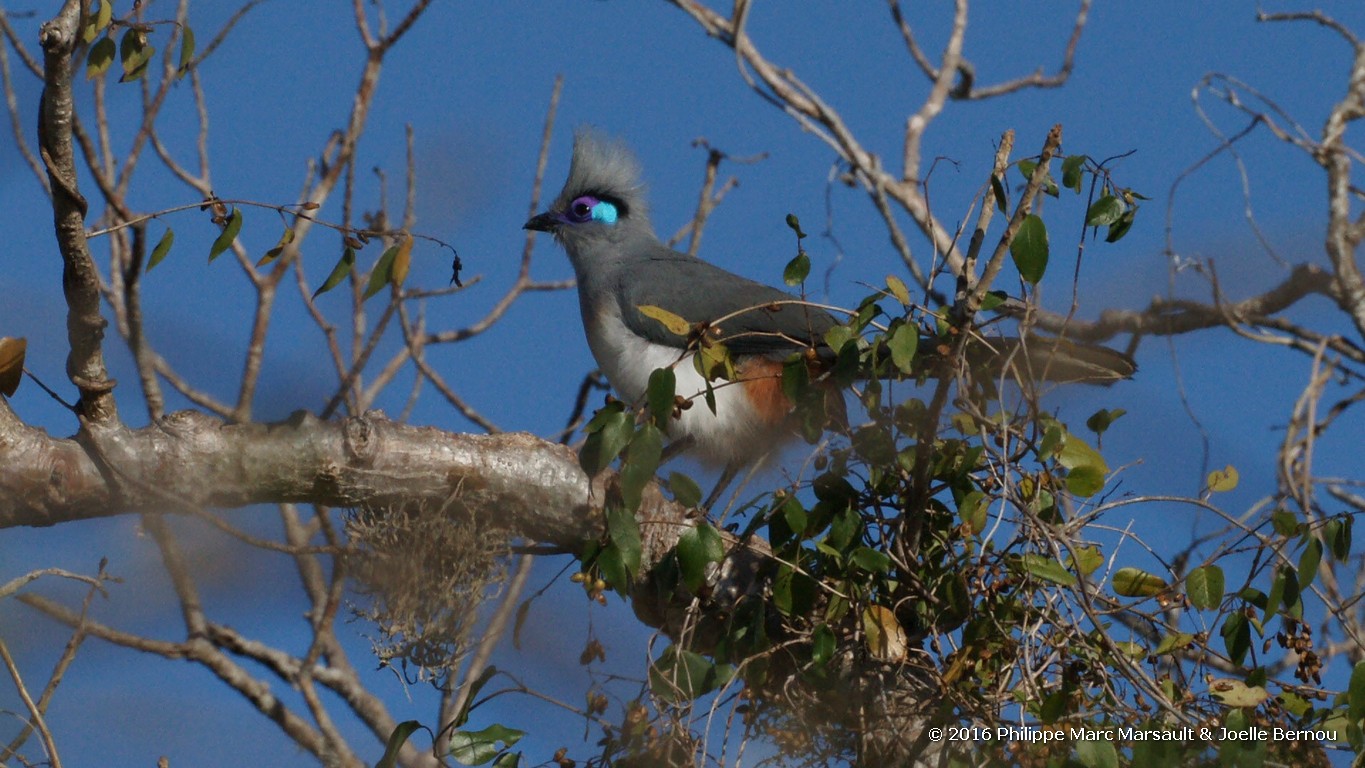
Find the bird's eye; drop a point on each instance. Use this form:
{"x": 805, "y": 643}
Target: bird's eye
{"x": 580, "y": 210}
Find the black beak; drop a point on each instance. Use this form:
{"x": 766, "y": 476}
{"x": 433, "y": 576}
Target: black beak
{"x": 545, "y": 222}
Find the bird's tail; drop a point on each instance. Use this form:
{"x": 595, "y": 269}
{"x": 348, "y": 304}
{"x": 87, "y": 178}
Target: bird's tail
{"x": 1036, "y": 358}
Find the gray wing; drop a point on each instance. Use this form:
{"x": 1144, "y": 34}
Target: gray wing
{"x": 700, "y": 292}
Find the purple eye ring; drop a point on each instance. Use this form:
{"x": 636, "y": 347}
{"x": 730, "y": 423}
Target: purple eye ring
{"x": 580, "y": 210}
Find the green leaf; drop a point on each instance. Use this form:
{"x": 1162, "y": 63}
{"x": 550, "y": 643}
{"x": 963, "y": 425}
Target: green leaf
{"x": 1173, "y": 642}
{"x": 903, "y": 343}
{"x": 839, "y": 335}
{"x": 487, "y": 674}
{"x": 795, "y": 379}
{"x": 659, "y": 394}
{"x": 163, "y": 247}
{"x": 1284, "y": 522}
{"x": 479, "y": 747}
{"x": 1276, "y": 596}
{"x": 1087, "y": 560}
{"x": 1105, "y": 211}
{"x": 843, "y": 529}
{"x": 612, "y": 565}
{"x": 1292, "y": 594}
{"x": 640, "y": 464}
{"x": 1102, "y": 419}
{"x": 1029, "y": 249}
{"x": 1097, "y": 753}
{"x": 228, "y": 236}
{"x": 1086, "y": 467}
{"x": 186, "y": 48}
{"x": 1135, "y": 582}
{"x": 972, "y": 509}
{"x": 797, "y": 269}
{"x": 795, "y": 225}
{"x": 1052, "y": 441}
{"x": 339, "y": 272}
{"x": 100, "y": 57}
{"x": 1355, "y": 693}
{"x": 623, "y": 530}
{"x": 1293, "y": 703}
{"x": 1085, "y": 481}
{"x": 135, "y": 54}
{"x": 1002, "y": 198}
{"x": 870, "y": 560}
{"x": 1204, "y": 586}
{"x": 1236, "y": 634}
{"x": 794, "y": 515}
{"x": 1309, "y": 560}
{"x": 993, "y": 299}
{"x": 1076, "y": 453}
{"x": 1054, "y": 706}
{"x": 681, "y": 675}
{"x": 1073, "y": 172}
{"x": 697, "y": 548}
{"x": 793, "y": 592}
{"x": 822, "y": 645}
{"x": 713, "y": 362}
{"x": 685, "y": 490}
{"x": 1120, "y": 228}
{"x": 274, "y": 253}
{"x": 609, "y": 432}
{"x": 400, "y": 735}
{"x": 1337, "y": 533}
{"x": 96, "y": 22}
{"x": 1047, "y": 568}
{"x": 383, "y": 273}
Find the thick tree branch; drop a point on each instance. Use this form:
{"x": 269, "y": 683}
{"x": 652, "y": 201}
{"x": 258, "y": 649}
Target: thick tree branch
{"x": 189, "y": 460}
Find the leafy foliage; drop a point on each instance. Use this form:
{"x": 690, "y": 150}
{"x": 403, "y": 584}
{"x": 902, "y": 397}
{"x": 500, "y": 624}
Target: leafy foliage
{"x": 962, "y": 529}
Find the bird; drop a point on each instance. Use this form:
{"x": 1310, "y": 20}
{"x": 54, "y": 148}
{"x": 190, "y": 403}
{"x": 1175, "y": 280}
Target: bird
{"x": 623, "y": 272}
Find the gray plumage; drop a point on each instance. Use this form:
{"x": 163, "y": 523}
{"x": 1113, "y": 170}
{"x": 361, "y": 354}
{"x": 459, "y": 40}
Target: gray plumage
{"x": 627, "y": 261}
{"x": 602, "y": 219}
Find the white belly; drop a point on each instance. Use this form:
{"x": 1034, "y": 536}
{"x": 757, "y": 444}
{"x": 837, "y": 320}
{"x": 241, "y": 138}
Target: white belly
{"x": 735, "y": 432}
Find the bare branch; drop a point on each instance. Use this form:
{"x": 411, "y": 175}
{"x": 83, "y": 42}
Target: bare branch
{"x": 80, "y": 278}
{"x": 16, "y": 125}
{"x": 34, "y": 713}
{"x": 1038, "y": 79}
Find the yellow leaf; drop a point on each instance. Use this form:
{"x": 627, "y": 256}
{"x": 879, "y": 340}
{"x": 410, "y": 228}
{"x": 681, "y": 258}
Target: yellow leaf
{"x": 11, "y": 364}
{"x": 675, "y": 325}
{"x": 897, "y": 288}
{"x": 1236, "y": 693}
{"x": 713, "y": 361}
{"x": 402, "y": 260}
{"x": 1135, "y": 582}
{"x": 886, "y": 638}
{"x": 1221, "y": 480}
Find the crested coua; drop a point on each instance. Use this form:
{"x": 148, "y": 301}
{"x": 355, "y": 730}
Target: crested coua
{"x": 602, "y": 220}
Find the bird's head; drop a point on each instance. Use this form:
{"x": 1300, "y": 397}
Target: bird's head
{"x": 603, "y": 200}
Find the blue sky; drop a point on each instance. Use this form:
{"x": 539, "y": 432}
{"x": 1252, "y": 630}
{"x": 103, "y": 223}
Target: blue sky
{"x": 474, "y": 79}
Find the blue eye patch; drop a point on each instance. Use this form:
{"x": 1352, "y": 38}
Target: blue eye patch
{"x": 604, "y": 212}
